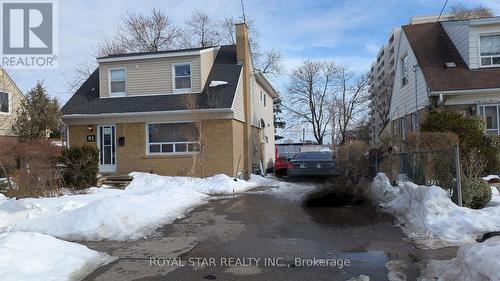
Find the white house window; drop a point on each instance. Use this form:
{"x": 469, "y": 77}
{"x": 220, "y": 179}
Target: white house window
{"x": 490, "y": 50}
{"x": 182, "y": 79}
{"x": 164, "y": 138}
{"x": 490, "y": 115}
{"x": 404, "y": 70}
{"x": 4, "y": 102}
{"x": 117, "y": 82}
{"x": 265, "y": 100}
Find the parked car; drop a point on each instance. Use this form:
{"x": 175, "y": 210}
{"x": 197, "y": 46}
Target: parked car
{"x": 315, "y": 163}
{"x": 282, "y": 164}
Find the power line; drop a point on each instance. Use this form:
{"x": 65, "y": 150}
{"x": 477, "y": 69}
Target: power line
{"x": 444, "y": 6}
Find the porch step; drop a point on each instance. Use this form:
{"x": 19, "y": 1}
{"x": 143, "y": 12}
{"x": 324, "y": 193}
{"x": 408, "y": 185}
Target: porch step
{"x": 119, "y": 181}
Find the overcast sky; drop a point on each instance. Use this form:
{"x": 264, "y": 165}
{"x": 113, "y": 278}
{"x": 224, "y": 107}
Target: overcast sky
{"x": 349, "y": 32}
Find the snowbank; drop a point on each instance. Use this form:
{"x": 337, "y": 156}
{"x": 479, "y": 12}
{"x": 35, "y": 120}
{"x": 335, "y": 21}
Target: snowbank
{"x": 430, "y": 218}
{"x": 475, "y": 262}
{"x": 110, "y": 214}
{"x": 34, "y": 256}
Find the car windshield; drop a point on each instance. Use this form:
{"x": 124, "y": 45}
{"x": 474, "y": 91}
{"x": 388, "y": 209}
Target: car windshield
{"x": 313, "y": 155}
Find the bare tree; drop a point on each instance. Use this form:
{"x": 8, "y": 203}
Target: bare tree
{"x": 461, "y": 12}
{"x": 202, "y": 30}
{"x": 310, "y": 95}
{"x": 81, "y": 72}
{"x": 192, "y": 103}
{"x": 351, "y": 99}
{"x": 141, "y": 33}
{"x": 270, "y": 63}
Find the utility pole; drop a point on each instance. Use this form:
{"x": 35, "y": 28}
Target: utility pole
{"x": 303, "y": 136}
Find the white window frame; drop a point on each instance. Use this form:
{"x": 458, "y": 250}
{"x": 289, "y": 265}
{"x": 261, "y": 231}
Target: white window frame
{"x": 148, "y": 144}
{"x": 482, "y": 113}
{"x": 404, "y": 70}
{"x": 9, "y": 104}
{"x": 479, "y": 51}
{"x": 182, "y": 90}
{"x": 117, "y": 94}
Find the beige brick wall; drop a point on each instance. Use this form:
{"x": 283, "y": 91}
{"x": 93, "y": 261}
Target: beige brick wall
{"x": 223, "y": 143}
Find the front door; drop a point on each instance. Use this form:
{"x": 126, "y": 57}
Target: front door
{"x": 106, "y": 141}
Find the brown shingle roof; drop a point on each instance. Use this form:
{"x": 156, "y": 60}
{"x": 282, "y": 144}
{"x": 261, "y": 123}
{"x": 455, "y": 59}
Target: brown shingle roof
{"x": 433, "y": 48}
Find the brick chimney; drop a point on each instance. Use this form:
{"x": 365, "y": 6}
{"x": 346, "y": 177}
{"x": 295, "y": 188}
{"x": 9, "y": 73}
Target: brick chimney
{"x": 244, "y": 58}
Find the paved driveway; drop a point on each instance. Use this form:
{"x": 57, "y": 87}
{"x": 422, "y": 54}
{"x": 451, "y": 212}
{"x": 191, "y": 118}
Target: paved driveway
{"x": 268, "y": 234}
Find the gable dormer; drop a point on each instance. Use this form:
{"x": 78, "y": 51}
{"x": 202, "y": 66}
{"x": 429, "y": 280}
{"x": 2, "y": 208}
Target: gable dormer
{"x": 477, "y": 41}
{"x": 158, "y": 73}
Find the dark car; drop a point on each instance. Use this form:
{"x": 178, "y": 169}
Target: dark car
{"x": 316, "y": 163}
{"x": 282, "y": 163}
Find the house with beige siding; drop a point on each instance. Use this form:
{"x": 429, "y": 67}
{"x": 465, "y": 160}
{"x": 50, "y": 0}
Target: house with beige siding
{"x": 10, "y": 101}
{"x": 198, "y": 112}
{"x": 455, "y": 63}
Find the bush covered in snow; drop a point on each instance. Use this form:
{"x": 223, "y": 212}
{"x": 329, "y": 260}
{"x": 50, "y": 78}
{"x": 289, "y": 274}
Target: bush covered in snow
{"x": 81, "y": 165}
{"x": 476, "y": 193}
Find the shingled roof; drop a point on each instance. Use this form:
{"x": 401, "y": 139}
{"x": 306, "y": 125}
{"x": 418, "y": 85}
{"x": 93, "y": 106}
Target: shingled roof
{"x": 433, "y": 49}
{"x": 86, "y": 100}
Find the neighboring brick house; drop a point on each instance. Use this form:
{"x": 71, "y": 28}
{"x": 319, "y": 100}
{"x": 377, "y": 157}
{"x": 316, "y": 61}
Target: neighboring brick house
{"x": 148, "y": 112}
{"x": 10, "y": 101}
{"x": 456, "y": 63}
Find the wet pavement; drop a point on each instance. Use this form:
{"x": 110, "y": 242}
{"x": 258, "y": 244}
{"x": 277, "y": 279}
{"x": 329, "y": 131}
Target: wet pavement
{"x": 267, "y": 235}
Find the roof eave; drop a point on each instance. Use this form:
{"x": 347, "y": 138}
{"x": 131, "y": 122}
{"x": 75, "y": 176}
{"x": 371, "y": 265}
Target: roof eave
{"x": 171, "y": 112}
{"x": 126, "y": 57}
{"x": 261, "y": 77}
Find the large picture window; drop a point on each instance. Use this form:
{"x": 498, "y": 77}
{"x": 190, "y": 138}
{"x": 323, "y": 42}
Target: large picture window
{"x": 117, "y": 82}
{"x": 4, "y": 102}
{"x": 164, "y": 138}
{"x": 490, "y": 50}
{"x": 182, "y": 77}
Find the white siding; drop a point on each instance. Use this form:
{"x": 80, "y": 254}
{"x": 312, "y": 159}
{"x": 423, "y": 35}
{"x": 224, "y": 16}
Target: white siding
{"x": 150, "y": 76}
{"x": 475, "y": 32}
{"x": 403, "y": 97}
{"x": 15, "y": 99}
{"x": 259, "y": 111}
{"x": 458, "y": 31}
{"x": 238, "y": 104}
{"x": 473, "y": 98}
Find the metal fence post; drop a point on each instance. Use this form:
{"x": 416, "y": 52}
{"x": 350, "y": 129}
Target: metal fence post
{"x": 459, "y": 175}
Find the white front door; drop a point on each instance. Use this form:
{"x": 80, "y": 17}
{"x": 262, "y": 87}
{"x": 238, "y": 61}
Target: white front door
{"x": 106, "y": 142}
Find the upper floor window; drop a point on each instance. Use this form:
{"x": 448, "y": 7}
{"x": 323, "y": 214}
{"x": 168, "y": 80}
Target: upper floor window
{"x": 265, "y": 100}
{"x": 490, "y": 50}
{"x": 404, "y": 70}
{"x": 117, "y": 82}
{"x": 4, "y": 102}
{"x": 182, "y": 77}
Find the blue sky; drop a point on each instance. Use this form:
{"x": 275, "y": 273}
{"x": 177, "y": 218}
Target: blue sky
{"x": 349, "y": 32}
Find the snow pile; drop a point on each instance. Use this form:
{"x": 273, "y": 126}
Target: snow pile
{"x": 430, "y": 218}
{"x": 215, "y": 83}
{"x": 475, "y": 262}
{"x": 34, "y": 256}
{"x": 218, "y": 184}
{"x": 110, "y": 214}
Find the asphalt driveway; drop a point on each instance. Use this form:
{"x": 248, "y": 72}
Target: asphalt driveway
{"x": 266, "y": 234}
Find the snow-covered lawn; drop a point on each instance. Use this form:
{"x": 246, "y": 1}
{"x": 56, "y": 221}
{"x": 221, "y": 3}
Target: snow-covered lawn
{"x": 479, "y": 261}
{"x": 101, "y": 213}
{"x": 148, "y": 202}
{"x": 34, "y": 256}
{"x": 430, "y": 218}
